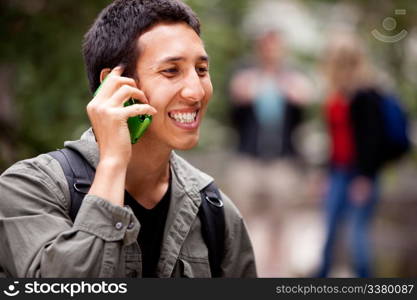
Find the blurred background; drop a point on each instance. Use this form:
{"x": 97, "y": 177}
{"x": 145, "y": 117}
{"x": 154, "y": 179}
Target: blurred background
{"x": 43, "y": 94}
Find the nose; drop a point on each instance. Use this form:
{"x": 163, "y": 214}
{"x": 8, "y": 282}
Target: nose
{"x": 192, "y": 89}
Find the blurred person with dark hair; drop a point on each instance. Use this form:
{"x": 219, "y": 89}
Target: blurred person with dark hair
{"x": 267, "y": 97}
{"x": 141, "y": 215}
{"x": 355, "y": 124}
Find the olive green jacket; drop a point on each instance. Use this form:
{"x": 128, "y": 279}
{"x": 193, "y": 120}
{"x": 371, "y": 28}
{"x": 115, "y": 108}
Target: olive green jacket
{"x": 38, "y": 238}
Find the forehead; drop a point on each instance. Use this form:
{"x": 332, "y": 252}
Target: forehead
{"x": 174, "y": 40}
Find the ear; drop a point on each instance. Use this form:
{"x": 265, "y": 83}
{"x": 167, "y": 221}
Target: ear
{"x": 104, "y": 73}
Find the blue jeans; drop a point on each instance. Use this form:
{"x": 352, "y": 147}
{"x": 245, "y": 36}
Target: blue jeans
{"x": 338, "y": 207}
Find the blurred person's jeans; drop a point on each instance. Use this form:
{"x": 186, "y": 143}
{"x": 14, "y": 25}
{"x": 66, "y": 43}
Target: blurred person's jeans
{"x": 338, "y": 208}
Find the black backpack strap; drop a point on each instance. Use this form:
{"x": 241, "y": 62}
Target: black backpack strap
{"x": 79, "y": 176}
{"x": 213, "y": 226}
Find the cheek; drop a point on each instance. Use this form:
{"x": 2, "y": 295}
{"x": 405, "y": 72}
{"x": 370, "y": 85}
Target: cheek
{"x": 208, "y": 87}
{"x": 158, "y": 118}
{"x": 158, "y": 99}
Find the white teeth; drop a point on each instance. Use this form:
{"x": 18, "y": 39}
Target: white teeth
{"x": 184, "y": 117}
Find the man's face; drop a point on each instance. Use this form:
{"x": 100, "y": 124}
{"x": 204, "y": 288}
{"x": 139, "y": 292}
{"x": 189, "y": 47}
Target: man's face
{"x": 173, "y": 73}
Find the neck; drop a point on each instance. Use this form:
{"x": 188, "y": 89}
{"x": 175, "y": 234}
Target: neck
{"x": 147, "y": 176}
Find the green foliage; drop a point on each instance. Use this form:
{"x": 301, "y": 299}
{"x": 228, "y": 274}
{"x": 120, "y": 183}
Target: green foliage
{"x": 42, "y": 45}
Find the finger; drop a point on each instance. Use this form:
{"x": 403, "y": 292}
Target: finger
{"x": 126, "y": 92}
{"x": 138, "y": 109}
{"x": 117, "y": 71}
{"x": 111, "y": 84}
{"x": 112, "y": 81}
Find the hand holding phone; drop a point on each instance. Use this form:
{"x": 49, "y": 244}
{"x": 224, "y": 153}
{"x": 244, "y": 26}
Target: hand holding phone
{"x": 138, "y": 124}
{"x": 109, "y": 116}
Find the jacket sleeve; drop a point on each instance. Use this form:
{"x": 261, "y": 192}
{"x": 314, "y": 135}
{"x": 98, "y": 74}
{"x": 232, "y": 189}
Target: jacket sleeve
{"x": 37, "y": 237}
{"x": 239, "y": 259}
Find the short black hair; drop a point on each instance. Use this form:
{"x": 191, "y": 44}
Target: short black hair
{"x": 111, "y": 40}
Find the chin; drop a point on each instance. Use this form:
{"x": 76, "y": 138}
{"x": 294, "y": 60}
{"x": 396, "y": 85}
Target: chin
{"x": 186, "y": 144}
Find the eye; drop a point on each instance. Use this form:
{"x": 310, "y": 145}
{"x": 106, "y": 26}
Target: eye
{"x": 170, "y": 72}
{"x": 202, "y": 71}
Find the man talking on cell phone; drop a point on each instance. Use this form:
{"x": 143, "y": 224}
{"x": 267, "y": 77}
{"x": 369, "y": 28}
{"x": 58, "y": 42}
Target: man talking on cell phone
{"x": 104, "y": 207}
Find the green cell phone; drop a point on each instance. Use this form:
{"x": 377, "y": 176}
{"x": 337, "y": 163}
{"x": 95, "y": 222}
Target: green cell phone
{"x": 137, "y": 124}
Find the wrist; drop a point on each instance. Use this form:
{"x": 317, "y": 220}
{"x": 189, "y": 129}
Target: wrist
{"x": 109, "y": 181}
{"x": 113, "y": 164}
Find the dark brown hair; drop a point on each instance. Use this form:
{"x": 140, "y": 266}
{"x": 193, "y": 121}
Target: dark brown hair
{"x": 111, "y": 40}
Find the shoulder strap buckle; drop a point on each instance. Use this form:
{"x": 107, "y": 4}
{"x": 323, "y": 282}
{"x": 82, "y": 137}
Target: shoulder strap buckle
{"x": 214, "y": 201}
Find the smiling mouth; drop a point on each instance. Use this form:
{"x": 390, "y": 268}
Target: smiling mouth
{"x": 184, "y": 117}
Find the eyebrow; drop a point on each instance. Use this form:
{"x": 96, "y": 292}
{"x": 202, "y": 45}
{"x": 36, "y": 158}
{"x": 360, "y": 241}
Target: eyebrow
{"x": 179, "y": 58}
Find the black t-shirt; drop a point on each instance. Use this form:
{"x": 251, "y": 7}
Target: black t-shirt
{"x": 150, "y": 236}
